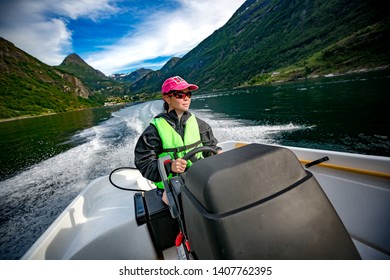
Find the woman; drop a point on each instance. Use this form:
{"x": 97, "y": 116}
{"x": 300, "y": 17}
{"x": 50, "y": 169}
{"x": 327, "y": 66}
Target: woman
{"x": 175, "y": 132}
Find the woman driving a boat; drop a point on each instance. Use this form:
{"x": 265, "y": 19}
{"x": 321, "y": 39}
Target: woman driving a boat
{"x": 173, "y": 132}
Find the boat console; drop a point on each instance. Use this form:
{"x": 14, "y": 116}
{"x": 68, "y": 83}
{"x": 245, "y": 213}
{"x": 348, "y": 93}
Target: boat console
{"x": 253, "y": 202}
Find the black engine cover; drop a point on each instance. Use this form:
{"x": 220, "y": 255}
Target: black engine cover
{"x": 257, "y": 202}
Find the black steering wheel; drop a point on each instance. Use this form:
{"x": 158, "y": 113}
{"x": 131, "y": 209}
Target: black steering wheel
{"x": 193, "y": 152}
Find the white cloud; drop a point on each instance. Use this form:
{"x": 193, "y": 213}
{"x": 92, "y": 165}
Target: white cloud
{"x": 50, "y": 40}
{"x": 93, "y": 9}
{"x": 39, "y": 27}
{"x": 166, "y": 33}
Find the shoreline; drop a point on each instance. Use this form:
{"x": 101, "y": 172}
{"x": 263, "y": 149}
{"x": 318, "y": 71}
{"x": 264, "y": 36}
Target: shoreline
{"x": 328, "y": 75}
{"x": 49, "y": 114}
{"x": 26, "y": 117}
{"x": 311, "y": 77}
{"x": 323, "y": 75}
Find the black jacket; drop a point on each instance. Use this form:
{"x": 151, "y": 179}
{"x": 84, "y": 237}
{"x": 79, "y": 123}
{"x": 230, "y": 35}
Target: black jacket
{"x": 149, "y": 144}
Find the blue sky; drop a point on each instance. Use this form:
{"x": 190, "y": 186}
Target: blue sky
{"x": 113, "y": 36}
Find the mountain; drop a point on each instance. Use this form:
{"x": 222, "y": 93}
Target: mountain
{"x": 292, "y": 37}
{"x": 30, "y": 87}
{"x": 152, "y": 82}
{"x": 133, "y": 77}
{"x": 99, "y": 83}
{"x": 76, "y": 66}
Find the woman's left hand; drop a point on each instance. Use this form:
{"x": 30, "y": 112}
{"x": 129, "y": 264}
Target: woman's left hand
{"x": 179, "y": 165}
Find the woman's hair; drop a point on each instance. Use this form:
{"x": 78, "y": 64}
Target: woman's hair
{"x": 165, "y": 107}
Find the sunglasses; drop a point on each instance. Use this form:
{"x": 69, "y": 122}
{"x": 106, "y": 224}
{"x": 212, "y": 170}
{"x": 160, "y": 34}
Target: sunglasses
{"x": 180, "y": 94}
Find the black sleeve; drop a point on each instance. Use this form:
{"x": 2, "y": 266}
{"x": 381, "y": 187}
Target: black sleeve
{"x": 146, "y": 153}
{"x": 207, "y": 136}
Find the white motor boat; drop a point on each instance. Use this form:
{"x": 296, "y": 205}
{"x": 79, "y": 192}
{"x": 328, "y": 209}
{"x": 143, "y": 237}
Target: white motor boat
{"x": 253, "y": 201}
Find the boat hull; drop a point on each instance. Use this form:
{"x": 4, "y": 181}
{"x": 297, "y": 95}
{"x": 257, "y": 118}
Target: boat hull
{"x": 100, "y": 223}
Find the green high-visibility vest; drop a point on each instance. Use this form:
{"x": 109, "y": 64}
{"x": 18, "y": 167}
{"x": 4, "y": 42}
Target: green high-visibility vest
{"x": 172, "y": 142}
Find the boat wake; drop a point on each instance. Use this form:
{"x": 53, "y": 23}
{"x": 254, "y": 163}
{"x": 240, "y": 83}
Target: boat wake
{"x": 226, "y": 128}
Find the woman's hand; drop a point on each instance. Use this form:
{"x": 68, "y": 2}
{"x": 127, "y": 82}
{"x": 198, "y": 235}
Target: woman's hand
{"x": 165, "y": 198}
{"x": 179, "y": 165}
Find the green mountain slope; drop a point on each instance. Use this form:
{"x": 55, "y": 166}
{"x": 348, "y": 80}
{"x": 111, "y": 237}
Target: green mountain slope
{"x": 365, "y": 49}
{"x": 273, "y": 35}
{"x": 30, "y": 87}
{"x": 99, "y": 83}
{"x": 151, "y": 82}
{"x": 78, "y": 67}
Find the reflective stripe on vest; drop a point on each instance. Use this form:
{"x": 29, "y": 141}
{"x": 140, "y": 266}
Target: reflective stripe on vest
{"x": 172, "y": 142}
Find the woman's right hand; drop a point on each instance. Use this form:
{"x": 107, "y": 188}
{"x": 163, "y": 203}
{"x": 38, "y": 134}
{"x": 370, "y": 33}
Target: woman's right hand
{"x": 179, "y": 165}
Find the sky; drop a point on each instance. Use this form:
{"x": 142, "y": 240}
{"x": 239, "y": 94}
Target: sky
{"x": 113, "y": 36}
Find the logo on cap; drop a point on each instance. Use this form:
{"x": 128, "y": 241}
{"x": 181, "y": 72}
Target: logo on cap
{"x": 177, "y": 79}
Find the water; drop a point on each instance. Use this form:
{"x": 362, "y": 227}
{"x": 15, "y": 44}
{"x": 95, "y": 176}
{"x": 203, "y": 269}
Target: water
{"x": 346, "y": 113}
{"x": 47, "y": 161}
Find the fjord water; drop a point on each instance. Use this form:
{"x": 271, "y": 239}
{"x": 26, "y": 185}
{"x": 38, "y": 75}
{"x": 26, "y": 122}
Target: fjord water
{"x": 346, "y": 113}
{"x": 47, "y": 161}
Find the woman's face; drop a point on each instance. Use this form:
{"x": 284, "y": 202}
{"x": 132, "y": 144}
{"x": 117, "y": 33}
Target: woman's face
{"x": 179, "y": 101}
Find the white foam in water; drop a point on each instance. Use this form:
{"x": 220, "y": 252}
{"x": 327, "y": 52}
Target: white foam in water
{"x": 226, "y": 129}
{"x": 34, "y": 198}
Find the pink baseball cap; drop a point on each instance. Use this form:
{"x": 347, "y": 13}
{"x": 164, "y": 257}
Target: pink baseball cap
{"x": 176, "y": 83}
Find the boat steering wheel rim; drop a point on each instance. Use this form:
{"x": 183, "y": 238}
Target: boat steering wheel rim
{"x": 193, "y": 152}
